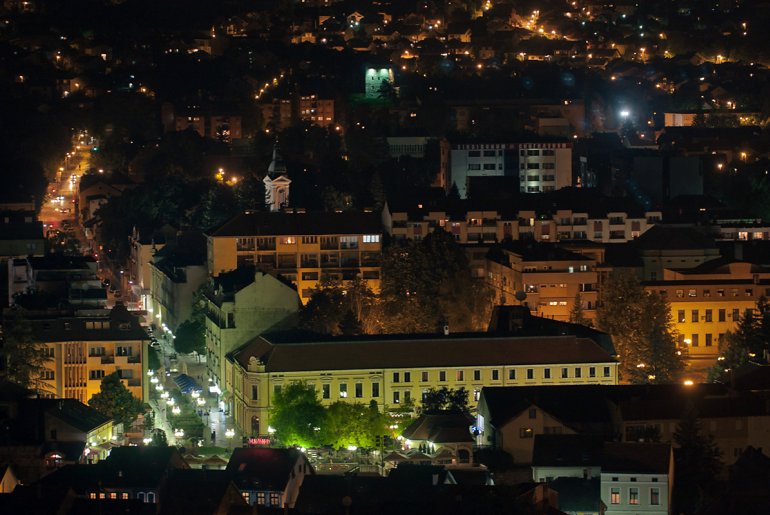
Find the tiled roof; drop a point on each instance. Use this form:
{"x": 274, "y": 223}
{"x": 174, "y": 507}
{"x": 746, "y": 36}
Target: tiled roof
{"x": 638, "y": 458}
{"x": 567, "y": 451}
{"x": 412, "y": 351}
{"x": 262, "y": 468}
{"x": 263, "y": 223}
{"x": 123, "y": 326}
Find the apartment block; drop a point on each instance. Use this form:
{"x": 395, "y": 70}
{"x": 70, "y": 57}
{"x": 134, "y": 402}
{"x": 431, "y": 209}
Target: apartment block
{"x": 304, "y": 247}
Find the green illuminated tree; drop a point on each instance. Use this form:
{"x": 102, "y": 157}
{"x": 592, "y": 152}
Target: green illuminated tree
{"x": 297, "y": 415}
{"x": 116, "y": 401}
{"x": 190, "y": 337}
{"x": 352, "y": 424}
{"x": 747, "y": 342}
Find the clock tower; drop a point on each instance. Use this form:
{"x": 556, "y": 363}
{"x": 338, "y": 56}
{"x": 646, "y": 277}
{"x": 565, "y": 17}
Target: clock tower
{"x": 277, "y": 182}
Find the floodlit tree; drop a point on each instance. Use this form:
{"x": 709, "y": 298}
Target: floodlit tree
{"x": 159, "y": 438}
{"x": 335, "y": 308}
{"x": 297, "y": 415}
{"x": 576, "y": 315}
{"x": 698, "y": 463}
{"x": 22, "y": 356}
{"x": 352, "y": 424}
{"x": 642, "y": 330}
{"x": 747, "y": 342}
{"x": 190, "y": 337}
{"x": 116, "y": 401}
{"x": 427, "y": 284}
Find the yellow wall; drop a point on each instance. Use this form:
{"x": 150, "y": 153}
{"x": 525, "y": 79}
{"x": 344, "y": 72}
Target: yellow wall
{"x": 244, "y": 407}
{"x": 72, "y": 364}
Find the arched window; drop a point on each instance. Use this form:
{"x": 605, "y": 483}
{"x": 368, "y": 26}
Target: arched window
{"x": 151, "y": 497}
{"x": 141, "y": 496}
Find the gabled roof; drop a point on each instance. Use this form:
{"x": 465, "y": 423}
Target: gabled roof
{"x": 438, "y": 428}
{"x": 639, "y": 458}
{"x": 262, "y": 468}
{"x": 410, "y": 351}
{"x": 567, "y": 451}
{"x": 660, "y": 237}
{"x": 75, "y": 413}
{"x": 199, "y": 491}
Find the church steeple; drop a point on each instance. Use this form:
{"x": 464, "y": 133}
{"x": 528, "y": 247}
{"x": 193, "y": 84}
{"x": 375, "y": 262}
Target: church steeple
{"x": 277, "y": 182}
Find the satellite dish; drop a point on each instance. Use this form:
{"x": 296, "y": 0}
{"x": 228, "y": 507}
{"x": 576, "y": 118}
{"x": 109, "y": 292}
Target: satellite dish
{"x": 520, "y": 296}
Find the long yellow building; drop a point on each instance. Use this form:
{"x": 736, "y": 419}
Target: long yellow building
{"x": 303, "y": 247}
{"x": 395, "y": 370}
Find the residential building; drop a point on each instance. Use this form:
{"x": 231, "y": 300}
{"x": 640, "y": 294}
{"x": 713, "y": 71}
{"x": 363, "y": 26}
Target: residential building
{"x": 566, "y": 455}
{"x": 376, "y": 78}
{"x": 178, "y": 270}
{"x": 209, "y": 122}
{"x": 59, "y": 278}
{"x": 304, "y": 247}
{"x": 84, "y": 347}
{"x": 144, "y": 243}
{"x": 543, "y": 276}
{"x": 269, "y": 478}
{"x": 637, "y": 478}
{"x": 38, "y": 436}
{"x": 394, "y": 370}
{"x": 540, "y": 166}
{"x": 240, "y": 305}
{"x": 708, "y": 300}
{"x": 318, "y": 111}
{"x": 568, "y": 214}
{"x": 672, "y": 247}
{"x": 21, "y": 235}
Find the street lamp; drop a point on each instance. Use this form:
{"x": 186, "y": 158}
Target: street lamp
{"x": 229, "y": 434}
{"x": 179, "y": 433}
{"x": 176, "y": 410}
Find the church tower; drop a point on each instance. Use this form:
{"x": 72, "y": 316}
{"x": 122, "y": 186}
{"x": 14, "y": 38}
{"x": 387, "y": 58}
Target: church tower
{"x": 277, "y": 182}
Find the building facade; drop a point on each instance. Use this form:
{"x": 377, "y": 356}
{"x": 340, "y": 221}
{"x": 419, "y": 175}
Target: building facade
{"x": 305, "y": 248}
{"x": 545, "y": 277}
{"x": 540, "y": 166}
{"x": 239, "y": 306}
{"x": 85, "y": 347}
{"x": 395, "y": 372}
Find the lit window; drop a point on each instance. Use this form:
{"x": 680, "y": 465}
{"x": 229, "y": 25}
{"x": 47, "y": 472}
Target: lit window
{"x": 343, "y": 390}
{"x": 288, "y": 240}
{"x": 371, "y": 238}
{"x": 615, "y": 496}
{"x": 633, "y": 496}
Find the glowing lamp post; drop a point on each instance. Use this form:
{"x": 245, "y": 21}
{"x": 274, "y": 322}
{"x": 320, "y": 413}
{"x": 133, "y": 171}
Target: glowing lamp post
{"x": 229, "y": 434}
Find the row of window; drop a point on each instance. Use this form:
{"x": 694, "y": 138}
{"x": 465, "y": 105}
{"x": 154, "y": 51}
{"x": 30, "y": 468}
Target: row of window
{"x": 633, "y": 496}
{"x": 459, "y": 376}
{"x": 708, "y": 315}
{"x": 148, "y": 497}
{"x": 720, "y": 292}
{"x": 537, "y": 166}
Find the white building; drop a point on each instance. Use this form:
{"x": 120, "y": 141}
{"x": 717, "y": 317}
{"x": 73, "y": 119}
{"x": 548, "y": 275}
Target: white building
{"x": 541, "y": 167}
{"x": 637, "y": 478}
{"x": 277, "y": 183}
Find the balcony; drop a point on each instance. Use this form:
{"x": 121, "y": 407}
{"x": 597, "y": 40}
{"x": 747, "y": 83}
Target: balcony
{"x": 108, "y": 360}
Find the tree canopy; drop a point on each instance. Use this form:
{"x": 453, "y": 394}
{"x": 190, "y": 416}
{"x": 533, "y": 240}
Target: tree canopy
{"x": 747, "y": 342}
{"x": 445, "y": 399}
{"x": 23, "y": 357}
{"x": 190, "y": 337}
{"x": 116, "y": 401}
{"x": 297, "y": 415}
{"x": 642, "y": 330}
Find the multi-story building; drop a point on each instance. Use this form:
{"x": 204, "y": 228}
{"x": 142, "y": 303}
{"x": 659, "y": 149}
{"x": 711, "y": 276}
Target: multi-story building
{"x": 394, "y": 371}
{"x": 240, "y": 305}
{"x": 540, "y": 167}
{"x": 318, "y": 111}
{"x": 177, "y": 271}
{"x": 708, "y": 300}
{"x": 304, "y": 247}
{"x": 83, "y": 348}
{"x": 544, "y": 276}
{"x": 144, "y": 244}
{"x": 58, "y": 277}
{"x": 541, "y": 220}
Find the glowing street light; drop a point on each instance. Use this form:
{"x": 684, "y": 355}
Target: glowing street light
{"x": 176, "y": 410}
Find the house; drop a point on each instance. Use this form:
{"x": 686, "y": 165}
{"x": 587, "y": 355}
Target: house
{"x": 269, "y": 477}
{"x": 445, "y": 434}
{"x": 38, "y": 436}
{"x": 637, "y": 478}
{"x": 136, "y": 474}
{"x": 566, "y": 455}
{"x": 509, "y": 418}
{"x": 144, "y": 243}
